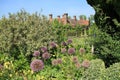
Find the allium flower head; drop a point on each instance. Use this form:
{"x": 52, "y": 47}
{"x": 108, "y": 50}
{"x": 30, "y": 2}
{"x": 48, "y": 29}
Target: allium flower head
{"x": 75, "y": 59}
{"x": 43, "y": 49}
{"x": 37, "y": 65}
{"x": 59, "y": 61}
{"x": 71, "y": 50}
{"x": 54, "y": 62}
{"x": 63, "y": 44}
{"x": 36, "y": 53}
{"x": 86, "y": 63}
{"x": 69, "y": 41}
{"x": 82, "y": 50}
{"x": 63, "y": 50}
{"x": 78, "y": 65}
{"x": 53, "y": 45}
{"x": 46, "y": 55}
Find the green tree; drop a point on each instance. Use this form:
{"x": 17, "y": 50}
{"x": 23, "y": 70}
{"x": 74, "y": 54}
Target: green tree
{"x": 91, "y": 19}
{"x": 83, "y": 17}
{"x": 107, "y": 18}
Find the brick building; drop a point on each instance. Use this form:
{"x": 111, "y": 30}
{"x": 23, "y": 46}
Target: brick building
{"x": 73, "y": 22}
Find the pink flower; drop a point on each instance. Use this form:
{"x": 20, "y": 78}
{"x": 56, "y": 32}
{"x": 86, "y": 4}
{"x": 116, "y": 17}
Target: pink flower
{"x": 86, "y": 63}
{"x": 63, "y": 44}
{"x": 43, "y": 49}
{"x": 63, "y": 50}
{"x": 78, "y": 65}
{"x": 53, "y": 45}
{"x": 46, "y": 55}
{"x": 54, "y": 62}
{"x": 69, "y": 41}
{"x": 82, "y": 50}
{"x": 36, "y": 53}
{"x": 37, "y": 65}
{"x": 59, "y": 61}
{"x": 75, "y": 59}
{"x": 71, "y": 50}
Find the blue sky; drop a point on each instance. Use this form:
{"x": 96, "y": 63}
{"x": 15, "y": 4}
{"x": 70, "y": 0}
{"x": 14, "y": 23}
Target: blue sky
{"x": 55, "y": 7}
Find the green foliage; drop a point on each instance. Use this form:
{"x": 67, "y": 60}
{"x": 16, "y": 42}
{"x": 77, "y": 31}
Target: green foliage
{"x": 107, "y": 18}
{"x": 83, "y": 17}
{"x": 64, "y": 31}
{"x": 91, "y": 20}
{"x": 95, "y": 71}
{"x": 113, "y": 72}
{"x": 23, "y": 33}
{"x": 107, "y": 49}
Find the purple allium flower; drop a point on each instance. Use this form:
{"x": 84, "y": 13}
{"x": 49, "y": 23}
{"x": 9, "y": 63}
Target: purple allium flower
{"x": 82, "y": 50}
{"x": 36, "y": 53}
{"x": 37, "y": 65}
{"x": 69, "y": 41}
{"x": 86, "y": 63}
{"x": 75, "y": 59}
{"x": 1, "y": 67}
{"x": 46, "y": 55}
{"x": 54, "y": 62}
{"x": 63, "y": 44}
{"x": 59, "y": 61}
{"x": 78, "y": 65}
{"x": 53, "y": 45}
{"x": 63, "y": 50}
{"x": 43, "y": 49}
{"x": 71, "y": 50}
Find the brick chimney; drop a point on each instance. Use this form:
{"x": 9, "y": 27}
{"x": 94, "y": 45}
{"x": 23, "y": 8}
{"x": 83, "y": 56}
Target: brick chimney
{"x": 50, "y": 17}
{"x": 66, "y": 18}
{"x": 75, "y": 18}
{"x": 59, "y": 18}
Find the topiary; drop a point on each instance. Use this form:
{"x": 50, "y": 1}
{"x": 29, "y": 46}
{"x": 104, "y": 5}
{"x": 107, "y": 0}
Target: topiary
{"x": 95, "y": 71}
{"x": 113, "y": 72}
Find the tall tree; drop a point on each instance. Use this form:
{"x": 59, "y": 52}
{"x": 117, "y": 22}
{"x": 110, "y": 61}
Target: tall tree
{"x": 107, "y": 18}
{"x": 83, "y": 17}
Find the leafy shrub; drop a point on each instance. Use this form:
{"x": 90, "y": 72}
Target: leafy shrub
{"x": 23, "y": 33}
{"x": 95, "y": 71}
{"x": 113, "y": 72}
{"x": 106, "y": 48}
{"x": 65, "y": 31}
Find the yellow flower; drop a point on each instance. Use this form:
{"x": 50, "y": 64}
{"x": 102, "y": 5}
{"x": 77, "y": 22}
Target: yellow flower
{"x": 42, "y": 77}
{"x": 10, "y": 75}
{"x": 32, "y": 72}
{"x": 37, "y": 77}
{"x": 6, "y": 64}
{"x": 16, "y": 73}
{"x": 24, "y": 72}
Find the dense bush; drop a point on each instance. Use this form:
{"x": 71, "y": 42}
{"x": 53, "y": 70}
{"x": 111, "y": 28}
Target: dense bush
{"x": 106, "y": 48}
{"x": 95, "y": 71}
{"x": 23, "y": 33}
{"x": 57, "y": 65}
{"x": 113, "y": 72}
{"x": 65, "y": 31}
